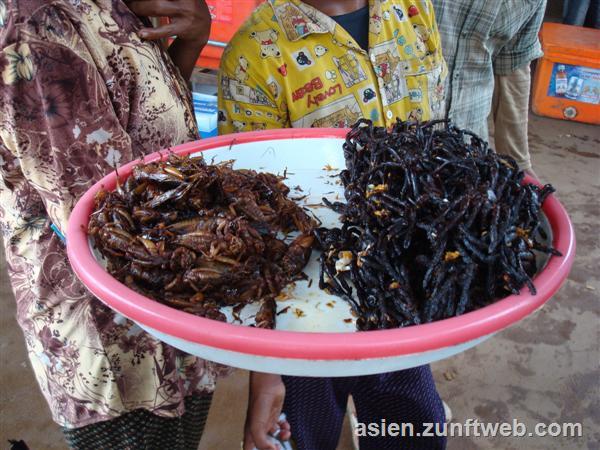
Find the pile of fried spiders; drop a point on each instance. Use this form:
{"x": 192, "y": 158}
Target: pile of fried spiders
{"x": 435, "y": 224}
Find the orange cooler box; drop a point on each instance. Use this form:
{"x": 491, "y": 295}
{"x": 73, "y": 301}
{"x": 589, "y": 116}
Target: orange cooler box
{"x": 227, "y": 16}
{"x": 567, "y": 77}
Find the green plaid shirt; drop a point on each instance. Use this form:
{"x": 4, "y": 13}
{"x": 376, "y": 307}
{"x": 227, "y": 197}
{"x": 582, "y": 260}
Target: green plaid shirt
{"x": 480, "y": 39}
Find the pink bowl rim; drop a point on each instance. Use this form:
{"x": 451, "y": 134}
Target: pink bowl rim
{"x": 308, "y": 345}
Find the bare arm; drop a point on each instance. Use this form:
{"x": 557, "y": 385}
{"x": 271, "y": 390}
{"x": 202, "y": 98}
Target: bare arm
{"x": 184, "y": 55}
{"x": 265, "y": 401}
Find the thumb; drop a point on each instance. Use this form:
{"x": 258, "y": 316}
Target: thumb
{"x": 248, "y": 443}
{"x": 259, "y": 423}
{"x": 259, "y": 435}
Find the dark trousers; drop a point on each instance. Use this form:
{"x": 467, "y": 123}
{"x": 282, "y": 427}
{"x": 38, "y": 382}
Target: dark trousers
{"x": 582, "y": 13}
{"x": 315, "y": 408}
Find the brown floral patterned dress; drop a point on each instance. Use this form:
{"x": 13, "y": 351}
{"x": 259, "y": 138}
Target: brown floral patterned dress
{"x": 79, "y": 95}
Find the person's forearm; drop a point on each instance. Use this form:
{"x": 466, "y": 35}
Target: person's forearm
{"x": 184, "y": 54}
{"x": 265, "y": 402}
{"x": 264, "y": 382}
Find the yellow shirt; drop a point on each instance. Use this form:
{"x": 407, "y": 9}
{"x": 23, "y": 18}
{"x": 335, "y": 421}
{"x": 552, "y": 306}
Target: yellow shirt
{"x": 290, "y": 65}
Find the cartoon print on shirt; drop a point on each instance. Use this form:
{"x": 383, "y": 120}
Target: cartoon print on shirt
{"x": 367, "y": 94}
{"x": 267, "y": 40}
{"x": 342, "y": 113}
{"x": 320, "y": 50}
{"x": 257, "y": 126}
{"x": 375, "y": 24}
{"x": 232, "y": 89}
{"x": 437, "y": 96}
{"x": 316, "y": 92}
{"x": 382, "y": 70}
{"x": 436, "y": 89}
{"x": 415, "y": 95}
{"x": 374, "y": 115}
{"x": 313, "y": 74}
{"x": 303, "y": 58}
{"x": 315, "y": 19}
{"x": 344, "y": 118}
{"x": 274, "y": 87}
{"x": 331, "y": 75}
{"x": 422, "y": 38}
{"x": 299, "y": 24}
{"x": 350, "y": 69}
{"x": 241, "y": 70}
{"x": 399, "y": 37}
{"x": 413, "y": 11}
{"x": 416, "y": 115}
{"x": 399, "y": 13}
{"x": 238, "y": 126}
{"x": 390, "y": 67}
{"x": 292, "y": 20}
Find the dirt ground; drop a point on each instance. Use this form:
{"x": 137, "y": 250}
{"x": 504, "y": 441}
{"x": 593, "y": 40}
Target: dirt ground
{"x": 544, "y": 369}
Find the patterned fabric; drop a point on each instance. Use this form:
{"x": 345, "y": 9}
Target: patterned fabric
{"x": 80, "y": 94}
{"x": 315, "y": 408}
{"x": 480, "y": 39}
{"x": 142, "y": 430}
{"x": 292, "y": 66}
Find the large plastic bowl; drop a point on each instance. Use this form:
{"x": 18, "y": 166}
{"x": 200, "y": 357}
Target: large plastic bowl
{"x": 304, "y": 153}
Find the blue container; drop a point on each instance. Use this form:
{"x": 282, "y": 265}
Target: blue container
{"x": 205, "y": 107}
